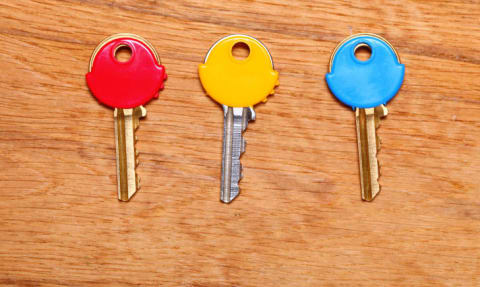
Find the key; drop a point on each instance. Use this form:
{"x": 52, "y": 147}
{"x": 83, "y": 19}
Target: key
{"x": 366, "y": 86}
{"x": 237, "y": 85}
{"x": 126, "y": 87}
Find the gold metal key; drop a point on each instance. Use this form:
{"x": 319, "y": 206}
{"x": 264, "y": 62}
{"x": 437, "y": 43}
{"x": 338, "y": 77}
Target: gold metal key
{"x": 126, "y": 85}
{"x": 366, "y": 86}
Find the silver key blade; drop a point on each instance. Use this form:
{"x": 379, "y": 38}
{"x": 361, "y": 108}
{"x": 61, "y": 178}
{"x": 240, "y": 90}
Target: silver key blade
{"x": 368, "y": 120}
{"x": 126, "y": 123}
{"x": 235, "y": 123}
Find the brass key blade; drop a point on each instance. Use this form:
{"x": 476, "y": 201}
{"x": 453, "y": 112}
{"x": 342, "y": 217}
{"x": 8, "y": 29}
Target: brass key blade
{"x": 126, "y": 122}
{"x": 368, "y": 145}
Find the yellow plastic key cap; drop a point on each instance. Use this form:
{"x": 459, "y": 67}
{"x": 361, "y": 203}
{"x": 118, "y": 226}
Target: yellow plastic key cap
{"x": 238, "y": 82}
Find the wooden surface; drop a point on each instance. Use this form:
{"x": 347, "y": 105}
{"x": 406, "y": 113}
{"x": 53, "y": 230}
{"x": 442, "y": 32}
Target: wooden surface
{"x": 299, "y": 220}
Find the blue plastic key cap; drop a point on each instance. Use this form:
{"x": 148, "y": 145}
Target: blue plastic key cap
{"x": 365, "y": 84}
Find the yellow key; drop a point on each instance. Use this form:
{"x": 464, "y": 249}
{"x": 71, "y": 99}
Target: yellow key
{"x": 238, "y": 85}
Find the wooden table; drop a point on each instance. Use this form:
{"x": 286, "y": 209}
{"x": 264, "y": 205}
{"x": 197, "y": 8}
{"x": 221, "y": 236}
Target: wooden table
{"x": 299, "y": 220}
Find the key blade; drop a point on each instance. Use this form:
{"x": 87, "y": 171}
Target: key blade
{"x": 126, "y": 123}
{"x": 368, "y": 121}
{"x": 235, "y": 122}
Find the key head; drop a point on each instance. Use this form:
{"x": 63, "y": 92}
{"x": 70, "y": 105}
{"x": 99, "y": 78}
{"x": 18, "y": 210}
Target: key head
{"x": 238, "y": 82}
{"x": 125, "y": 84}
{"x": 365, "y": 84}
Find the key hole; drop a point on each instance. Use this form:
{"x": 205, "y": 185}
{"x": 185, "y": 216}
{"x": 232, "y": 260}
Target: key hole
{"x": 123, "y": 53}
{"x": 240, "y": 51}
{"x": 363, "y": 52}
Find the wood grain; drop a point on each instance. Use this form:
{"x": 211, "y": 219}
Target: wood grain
{"x": 299, "y": 220}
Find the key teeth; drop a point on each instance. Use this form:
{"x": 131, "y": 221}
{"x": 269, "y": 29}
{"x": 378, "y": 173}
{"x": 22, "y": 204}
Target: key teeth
{"x": 379, "y": 168}
{"x": 139, "y": 112}
{"x": 380, "y": 112}
{"x": 249, "y": 116}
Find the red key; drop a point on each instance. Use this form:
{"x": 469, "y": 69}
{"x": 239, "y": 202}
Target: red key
{"x": 126, "y": 86}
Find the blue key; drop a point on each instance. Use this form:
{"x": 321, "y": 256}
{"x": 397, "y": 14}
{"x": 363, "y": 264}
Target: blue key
{"x": 366, "y": 86}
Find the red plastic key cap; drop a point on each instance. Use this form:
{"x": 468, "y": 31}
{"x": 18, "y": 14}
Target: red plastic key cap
{"x": 125, "y": 84}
